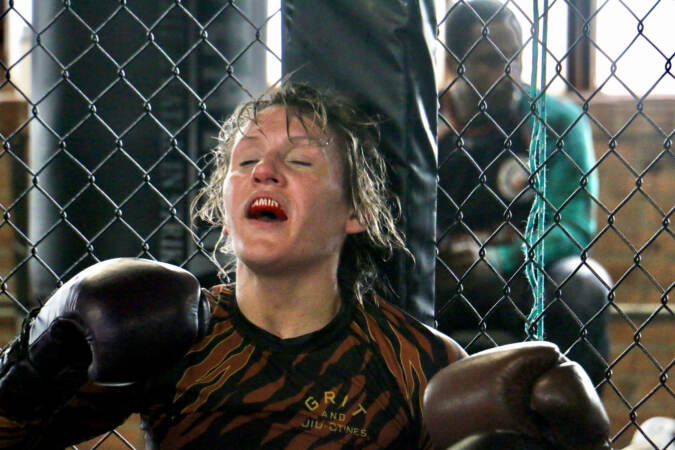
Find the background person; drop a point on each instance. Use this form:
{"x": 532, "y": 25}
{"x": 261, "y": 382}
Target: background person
{"x": 484, "y": 198}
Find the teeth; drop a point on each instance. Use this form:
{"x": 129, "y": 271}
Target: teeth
{"x": 266, "y": 202}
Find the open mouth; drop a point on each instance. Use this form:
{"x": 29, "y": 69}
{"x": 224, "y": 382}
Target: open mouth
{"x": 267, "y": 210}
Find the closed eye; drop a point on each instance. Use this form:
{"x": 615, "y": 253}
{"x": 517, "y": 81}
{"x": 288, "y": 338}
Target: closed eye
{"x": 248, "y": 162}
{"x": 301, "y": 163}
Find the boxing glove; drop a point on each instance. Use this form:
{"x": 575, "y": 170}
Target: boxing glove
{"x": 528, "y": 388}
{"x": 115, "y": 323}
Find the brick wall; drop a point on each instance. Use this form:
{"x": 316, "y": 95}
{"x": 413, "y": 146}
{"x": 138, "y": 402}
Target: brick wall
{"x": 13, "y": 139}
{"x": 638, "y": 214}
{"x": 641, "y": 346}
{"x": 12, "y": 114}
{"x": 636, "y": 375}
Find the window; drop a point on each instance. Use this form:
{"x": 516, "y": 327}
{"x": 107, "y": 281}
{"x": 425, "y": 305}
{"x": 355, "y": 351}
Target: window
{"x": 636, "y": 37}
{"x": 556, "y": 41}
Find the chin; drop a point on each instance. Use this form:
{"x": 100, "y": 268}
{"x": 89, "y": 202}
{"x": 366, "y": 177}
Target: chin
{"x": 259, "y": 257}
{"x": 258, "y": 265}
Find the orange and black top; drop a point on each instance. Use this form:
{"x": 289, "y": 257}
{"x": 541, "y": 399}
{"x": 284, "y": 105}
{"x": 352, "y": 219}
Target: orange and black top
{"x": 356, "y": 383}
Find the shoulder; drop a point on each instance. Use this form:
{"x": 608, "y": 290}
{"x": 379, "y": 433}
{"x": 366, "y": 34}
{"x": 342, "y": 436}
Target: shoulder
{"x": 220, "y": 290}
{"x": 455, "y": 350}
{"x": 561, "y": 112}
{"x": 410, "y": 332}
{"x": 220, "y": 298}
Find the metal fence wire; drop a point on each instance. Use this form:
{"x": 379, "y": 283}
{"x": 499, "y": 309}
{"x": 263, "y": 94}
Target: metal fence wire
{"x": 105, "y": 148}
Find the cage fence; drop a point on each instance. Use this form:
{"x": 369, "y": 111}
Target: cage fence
{"x": 109, "y": 110}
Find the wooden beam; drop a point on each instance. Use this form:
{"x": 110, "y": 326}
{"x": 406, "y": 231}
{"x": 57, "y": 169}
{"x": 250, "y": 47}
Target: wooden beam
{"x": 580, "y": 34}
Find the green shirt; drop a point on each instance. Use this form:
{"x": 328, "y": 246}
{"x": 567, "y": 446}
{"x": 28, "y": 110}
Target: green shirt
{"x": 572, "y": 186}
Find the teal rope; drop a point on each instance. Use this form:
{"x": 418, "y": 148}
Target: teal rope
{"x": 536, "y": 223}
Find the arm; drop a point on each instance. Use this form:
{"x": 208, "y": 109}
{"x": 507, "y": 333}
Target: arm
{"x": 577, "y": 216}
{"x": 76, "y": 369}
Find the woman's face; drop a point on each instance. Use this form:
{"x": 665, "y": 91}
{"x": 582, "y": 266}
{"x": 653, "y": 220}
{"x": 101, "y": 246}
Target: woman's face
{"x": 284, "y": 196}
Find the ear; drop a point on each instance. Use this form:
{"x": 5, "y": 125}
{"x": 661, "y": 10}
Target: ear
{"x": 354, "y": 225}
{"x": 225, "y": 230}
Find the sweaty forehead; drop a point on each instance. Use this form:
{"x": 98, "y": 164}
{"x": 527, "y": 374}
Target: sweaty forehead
{"x": 276, "y": 122}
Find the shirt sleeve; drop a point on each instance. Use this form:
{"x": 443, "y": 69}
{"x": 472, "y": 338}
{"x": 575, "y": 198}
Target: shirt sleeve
{"x": 572, "y": 186}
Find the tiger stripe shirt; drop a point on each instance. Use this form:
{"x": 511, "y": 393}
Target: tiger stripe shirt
{"x": 356, "y": 383}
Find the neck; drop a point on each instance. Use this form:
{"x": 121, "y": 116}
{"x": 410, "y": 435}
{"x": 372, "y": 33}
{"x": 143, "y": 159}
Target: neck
{"x": 288, "y": 305}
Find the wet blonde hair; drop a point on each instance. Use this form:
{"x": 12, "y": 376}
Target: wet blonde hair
{"x": 355, "y": 136}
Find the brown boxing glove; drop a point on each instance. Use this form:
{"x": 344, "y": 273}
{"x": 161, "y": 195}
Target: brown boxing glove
{"x": 528, "y": 388}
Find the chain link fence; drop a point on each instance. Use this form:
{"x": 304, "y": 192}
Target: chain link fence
{"x": 104, "y": 148}
{"x": 608, "y": 248}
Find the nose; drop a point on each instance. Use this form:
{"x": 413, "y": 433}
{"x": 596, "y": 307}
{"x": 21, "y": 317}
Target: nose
{"x": 267, "y": 171}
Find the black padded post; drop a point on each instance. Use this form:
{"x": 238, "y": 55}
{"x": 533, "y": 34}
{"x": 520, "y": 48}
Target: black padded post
{"x": 381, "y": 53}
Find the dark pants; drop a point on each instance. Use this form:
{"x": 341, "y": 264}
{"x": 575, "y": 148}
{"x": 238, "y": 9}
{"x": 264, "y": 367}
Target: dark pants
{"x": 485, "y": 313}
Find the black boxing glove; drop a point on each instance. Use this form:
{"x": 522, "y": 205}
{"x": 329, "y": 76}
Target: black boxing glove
{"x": 528, "y": 388}
{"x": 115, "y": 323}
